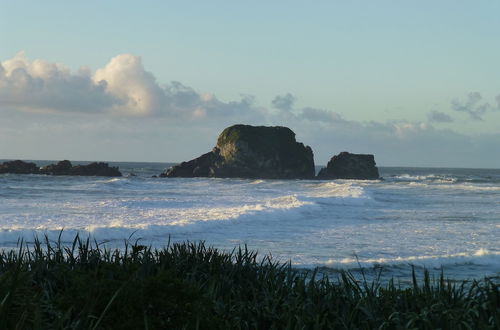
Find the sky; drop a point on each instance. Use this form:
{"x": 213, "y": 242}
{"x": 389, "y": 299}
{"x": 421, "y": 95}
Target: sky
{"x": 416, "y": 83}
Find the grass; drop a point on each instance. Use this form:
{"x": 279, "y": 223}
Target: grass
{"x": 49, "y": 285}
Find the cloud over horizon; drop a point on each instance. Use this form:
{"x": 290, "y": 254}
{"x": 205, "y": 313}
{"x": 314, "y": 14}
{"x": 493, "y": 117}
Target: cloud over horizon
{"x": 42, "y": 103}
{"x": 40, "y": 85}
{"x": 122, "y": 87}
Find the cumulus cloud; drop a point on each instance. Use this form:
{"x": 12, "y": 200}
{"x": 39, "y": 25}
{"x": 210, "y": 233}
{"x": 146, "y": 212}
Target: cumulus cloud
{"x": 283, "y": 102}
{"x": 473, "y": 106}
{"x": 41, "y": 85}
{"x": 125, "y": 78}
{"x": 122, "y": 87}
{"x": 439, "y": 117}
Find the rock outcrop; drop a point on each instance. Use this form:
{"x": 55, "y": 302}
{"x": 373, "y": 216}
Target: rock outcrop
{"x": 18, "y": 167}
{"x": 245, "y": 151}
{"x": 350, "y": 166}
{"x": 95, "y": 169}
{"x": 203, "y": 166}
{"x": 61, "y": 168}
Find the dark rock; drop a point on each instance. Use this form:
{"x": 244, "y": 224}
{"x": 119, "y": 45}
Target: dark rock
{"x": 61, "y": 168}
{"x": 202, "y": 166}
{"x": 251, "y": 152}
{"x": 350, "y": 166}
{"x": 18, "y": 167}
{"x": 95, "y": 169}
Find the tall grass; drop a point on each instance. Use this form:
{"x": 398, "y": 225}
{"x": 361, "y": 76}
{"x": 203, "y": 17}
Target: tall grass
{"x": 48, "y": 285}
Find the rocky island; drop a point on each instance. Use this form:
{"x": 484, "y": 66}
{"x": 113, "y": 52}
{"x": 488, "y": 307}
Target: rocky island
{"x": 350, "y": 166}
{"x": 244, "y": 151}
{"x": 61, "y": 168}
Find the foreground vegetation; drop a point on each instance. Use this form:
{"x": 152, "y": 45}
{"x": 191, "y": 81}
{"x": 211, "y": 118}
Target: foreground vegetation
{"x": 189, "y": 285}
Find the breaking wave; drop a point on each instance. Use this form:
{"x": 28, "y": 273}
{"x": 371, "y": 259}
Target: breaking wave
{"x": 480, "y": 257}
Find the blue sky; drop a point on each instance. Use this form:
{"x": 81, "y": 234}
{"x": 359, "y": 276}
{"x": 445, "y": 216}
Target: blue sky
{"x": 414, "y": 82}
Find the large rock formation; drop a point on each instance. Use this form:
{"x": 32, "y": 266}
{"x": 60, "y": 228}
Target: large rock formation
{"x": 61, "y": 168}
{"x": 350, "y": 166}
{"x": 251, "y": 152}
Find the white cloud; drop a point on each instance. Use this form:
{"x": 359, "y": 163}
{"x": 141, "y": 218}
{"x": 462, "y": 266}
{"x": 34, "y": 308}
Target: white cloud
{"x": 122, "y": 87}
{"x": 125, "y": 78}
{"x": 43, "y": 86}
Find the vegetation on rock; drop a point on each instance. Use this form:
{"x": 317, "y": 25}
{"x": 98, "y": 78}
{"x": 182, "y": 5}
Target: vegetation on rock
{"x": 251, "y": 152}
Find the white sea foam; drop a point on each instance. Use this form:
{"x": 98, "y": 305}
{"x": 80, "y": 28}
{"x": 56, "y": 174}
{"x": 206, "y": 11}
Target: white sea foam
{"x": 422, "y": 218}
{"x": 144, "y": 216}
{"x": 455, "y": 187}
{"x": 470, "y": 187}
{"x": 113, "y": 180}
{"x": 432, "y": 178}
{"x": 479, "y": 257}
{"x": 333, "y": 189}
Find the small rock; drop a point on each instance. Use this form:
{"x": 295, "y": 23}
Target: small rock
{"x": 350, "y": 166}
{"x": 95, "y": 169}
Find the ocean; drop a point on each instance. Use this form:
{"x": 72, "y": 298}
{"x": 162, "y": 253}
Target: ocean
{"x": 439, "y": 219}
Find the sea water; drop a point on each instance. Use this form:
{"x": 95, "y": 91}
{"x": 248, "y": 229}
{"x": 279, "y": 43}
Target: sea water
{"x": 442, "y": 220}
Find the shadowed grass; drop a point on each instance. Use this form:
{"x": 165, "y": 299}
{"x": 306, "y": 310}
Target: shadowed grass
{"x": 192, "y": 286}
